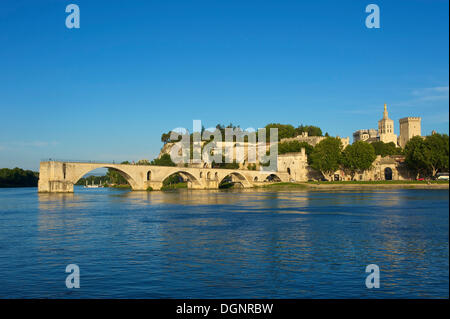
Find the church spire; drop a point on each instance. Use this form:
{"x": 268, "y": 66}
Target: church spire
{"x": 385, "y": 112}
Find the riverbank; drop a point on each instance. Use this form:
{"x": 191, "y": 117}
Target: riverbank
{"x": 360, "y": 185}
{"x": 17, "y": 177}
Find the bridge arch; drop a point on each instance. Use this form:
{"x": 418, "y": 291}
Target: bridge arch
{"x": 241, "y": 178}
{"x": 272, "y": 178}
{"x": 121, "y": 172}
{"x": 191, "y": 176}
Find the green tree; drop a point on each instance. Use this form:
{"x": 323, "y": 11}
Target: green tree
{"x": 358, "y": 157}
{"x": 326, "y": 156}
{"x": 165, "y": 138}
{"x": 438, "y": 148}
{"x": 416, "y": 156}
{"x": 284, "y": 130}
{"x": 164, "y": 160}
{"x": 310, "y": 129}
{"x": 386, "y": 149}
{"x": 427, "y": 156}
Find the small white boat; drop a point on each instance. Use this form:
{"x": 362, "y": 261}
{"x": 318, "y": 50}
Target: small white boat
{"x": 93, "y": 185}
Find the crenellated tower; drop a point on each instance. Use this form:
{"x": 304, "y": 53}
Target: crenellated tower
{"x": 409, "y": 127}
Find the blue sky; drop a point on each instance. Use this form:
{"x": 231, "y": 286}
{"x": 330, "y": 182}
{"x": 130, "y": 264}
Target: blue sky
{"x": 136, "y": 69}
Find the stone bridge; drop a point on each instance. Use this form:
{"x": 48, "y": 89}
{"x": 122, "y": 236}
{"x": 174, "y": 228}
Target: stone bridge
{"x": 59, "y": 177}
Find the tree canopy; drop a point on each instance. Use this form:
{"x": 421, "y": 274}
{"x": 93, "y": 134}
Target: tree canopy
{"x": 288, "y": 131}
{"x": 427, "y": 156}
{"x": 284, "y": 130}
{"x": 18, "y": 177}
{"x": 310, "y": 129}
{"x": 386, "y": 149}
{"x": 164, "y": 160}
{"x": 438, "y": 148}
{"x": 326, "y": 156}
{"x": 358, "y": 157}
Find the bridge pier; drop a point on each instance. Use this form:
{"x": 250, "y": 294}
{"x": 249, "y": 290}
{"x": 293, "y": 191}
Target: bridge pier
{"x": 55, "y": 187}
{"x": 52, "y": 178}
{"x": 154, "y": 185}
{"x": 211, "y": 184}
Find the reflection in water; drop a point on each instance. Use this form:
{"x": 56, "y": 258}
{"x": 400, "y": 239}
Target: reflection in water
{"x": 234, "y": 243}
{"x": 58, "y": 201}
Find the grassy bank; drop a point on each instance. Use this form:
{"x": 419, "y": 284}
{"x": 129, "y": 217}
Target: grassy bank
{"x": 349, "y": 185}
{"x": 359, "y": 184}
{"x": 406, "y": 182}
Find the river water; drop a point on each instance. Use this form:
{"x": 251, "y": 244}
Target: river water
{"x": 224, "y": 244}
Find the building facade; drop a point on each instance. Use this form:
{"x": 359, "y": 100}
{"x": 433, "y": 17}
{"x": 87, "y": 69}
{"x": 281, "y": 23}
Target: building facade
{"x": 295, "y": 164}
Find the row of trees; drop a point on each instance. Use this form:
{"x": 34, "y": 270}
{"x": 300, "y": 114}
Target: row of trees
{"x": 328, "y": 155}
{"x": 288, "y": 131}
{"x": 423, "y": 156}
{"x": 18, "y": 177}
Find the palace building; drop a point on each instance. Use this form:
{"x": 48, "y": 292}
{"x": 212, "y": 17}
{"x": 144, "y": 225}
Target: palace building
{"x": 409, "y": 127}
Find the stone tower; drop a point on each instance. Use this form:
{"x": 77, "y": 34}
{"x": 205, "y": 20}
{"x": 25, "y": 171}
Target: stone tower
{"x": 409, "y": 127}
{"x": 386, "y": 128}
